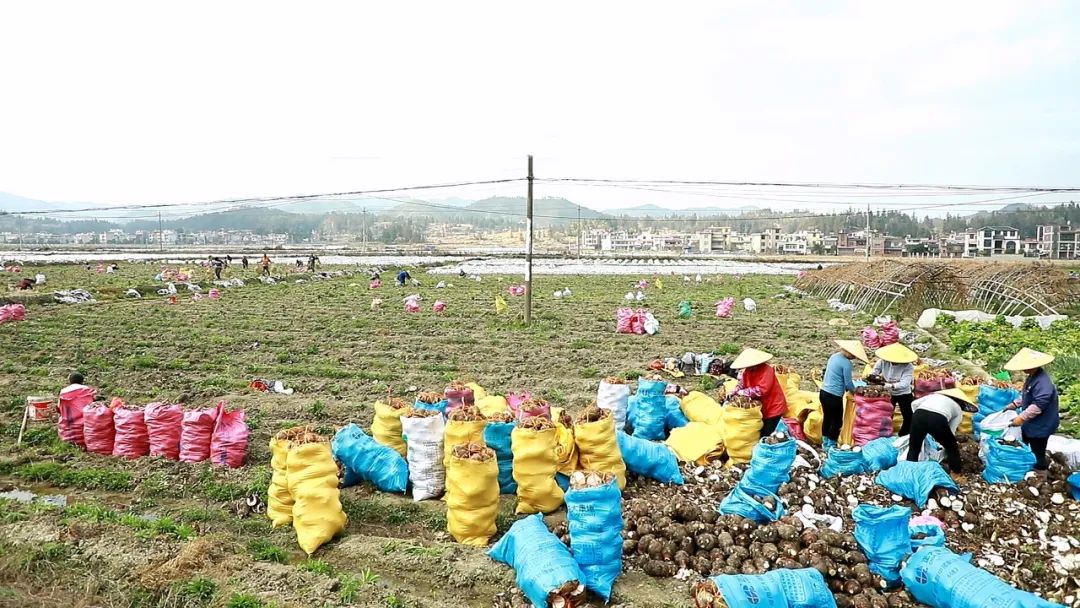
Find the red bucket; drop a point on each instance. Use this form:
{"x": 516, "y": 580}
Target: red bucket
{"x": 40, "y": 408}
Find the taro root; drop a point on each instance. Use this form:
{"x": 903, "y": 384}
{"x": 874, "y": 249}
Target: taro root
{"x": 776, "y": 438}
{"x": 1015, "y": 443}
{"x": 705, "y": 541}
{"x": 300, "y": 435}
{"x": 615, "y": 380}
{"x": 706, "y": 595}
{"x": 871, "y": 390}
{"x": 592, "y": 414}
{"x": 970, "y": 381}
{"x": 466, "y": 413}
{"x": 536, "y": 423}
{"x": 501, "y": 417}
{"x": 743, "y": 401}
{"x": 413, "y": 412}
{"x": 397, "y": 403}
{"x": 629, "y": 546}
{"x": 473, "y": 451}
{"x": 875, "y": 380}
{"x": 660, "y": 569}
{"x": 429, "y": 397}
{"x": 571, "y": 594}
{"x": 589, "y": 479}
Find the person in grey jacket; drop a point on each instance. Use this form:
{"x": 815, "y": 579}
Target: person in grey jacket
{"x": 896, "y": 365}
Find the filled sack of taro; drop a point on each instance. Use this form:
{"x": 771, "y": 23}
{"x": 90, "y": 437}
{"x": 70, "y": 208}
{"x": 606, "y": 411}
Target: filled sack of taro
{"x": 497, "y": 437}
{"x": 613, "y": 395}
{"x": 939, "y": 578}
{"x": 624, "y": 318}
{"x": 770, "y": 463}
{"x": 882, "y": 534}
{"x": 699, "y": 407}
{"x": 916, "y": 480}
{"x": 649, "y": 459}
{"x": 386, "y": 426}
{"x": 843, "y": 460}
{"x": 648, "y": 409}
{"x": 566, "y": 451}
{"x": 163, "y": 425}
{"x": 478, "y": 391}
{"x": 697, "y": 442}
{"x": 1007, "y": 461}
{"x": 196, "y": 430}
{"x": 228, "y": 443}
{"x": 423, "y": 430}
{"x": 98, "y": 428}
{"x": 130, "y": 439}
{"x": 457, "y": 395}
{"x": 279, "y": 501}
{"x": 492, "y": 404}
{"x": 313, "y": 483}
{"x": 782, "y": 588}
{"x": 598, "y": 448}
{"x": 72, "y": 403}
{"x": 881, "y": 454}
{"x": 594, "y": 517}
{"x": 932, "y": 382}
{"x": 873, "y": 415}
{"x": 370, "y": 460}
{"x": 992, "y": 399}
{"x": 674, "y": 417}
{"x": 925, "y": 535}
{"x": 741, "y": 426}
{"x": 527, "y": 406}
{"x": 463, "y": 425}
{"x": 544, "y": 569}
{"x": 431, "y": 401}
{"x": 472, "y": 493}
{"x": 752, "y": 503}
{"x": 533, "y": 443}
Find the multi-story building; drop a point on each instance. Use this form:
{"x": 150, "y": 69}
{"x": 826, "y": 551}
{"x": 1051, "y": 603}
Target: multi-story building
{"x": 1058, "y": 242}
{"x": 992, "y": 240}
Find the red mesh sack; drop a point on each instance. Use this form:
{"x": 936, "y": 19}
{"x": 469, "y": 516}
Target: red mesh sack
{"x": 195, "y": 434}
{"x": 163, "y": 424}
{"x": 228, "y": 444}
{"x": 873, "y": 418}
{"x": 98, "y": 429}
{"x": 623, "y": 317}
{"x": 131, "y": 440}
{"x": 72, "y": 402}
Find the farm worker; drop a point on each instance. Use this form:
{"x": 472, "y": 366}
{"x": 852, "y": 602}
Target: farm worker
{"x": 938, "y": 415}
{"x": 75, "y": 395}
{"x": 896, "y": 364}
{"x": 217, "y": 264}
{"x": 755, "y": 372}
{"x": 835, "y": 382}
{"x": 266, "y": 265}
{"x": 244, "y": 262}
{"x": 312, "y": 260}
{"x": 25, "y": 284}
{"x": 403, "y": 277}
{"x": 1041, "y": 416}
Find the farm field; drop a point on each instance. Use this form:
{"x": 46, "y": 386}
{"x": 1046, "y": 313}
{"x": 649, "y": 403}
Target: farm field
{"x": 156, "y": 533}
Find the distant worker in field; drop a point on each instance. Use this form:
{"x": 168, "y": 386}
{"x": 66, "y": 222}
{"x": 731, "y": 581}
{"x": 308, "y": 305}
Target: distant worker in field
{"x": 896, "y": 364}
{"x": 938, "y": 415}
{"x": 835, "y": 382}
{"x": 228, "y": 260}
{"x": 73, "y": 398}
{"x": 312, "y": 260}
{"x": 25, "y": 284}
{"x": 218, "y": 265}
{"x": 1041, "y": 415}
{"x": 403, "y": 278}
{"x": 244, "y": 262}
{"x": 266, "y": 265}
{"x": 756, "y": 373}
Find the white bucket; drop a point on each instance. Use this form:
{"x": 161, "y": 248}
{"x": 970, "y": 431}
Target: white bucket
{"x": 40, "y": 408}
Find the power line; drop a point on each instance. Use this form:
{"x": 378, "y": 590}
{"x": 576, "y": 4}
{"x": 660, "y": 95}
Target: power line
{"x": 868, "y": 186}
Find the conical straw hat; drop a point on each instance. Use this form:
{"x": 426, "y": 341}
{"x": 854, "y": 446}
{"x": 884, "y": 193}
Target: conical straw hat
{"x": 956, "y": 393}
{"x": 749, "y": 358}
{"x": 854, "y": 347}
{"x": 896, "y": 353}
{"x": 1028, "y": 359}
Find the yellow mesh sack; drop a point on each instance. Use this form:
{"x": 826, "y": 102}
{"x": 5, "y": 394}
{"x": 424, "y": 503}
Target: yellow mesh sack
{"x": 313, "y": 483}
{"x": 472, "y": 500}
{"x": 598, "y": 449}
{"x": 535, "y": 466}
{"x": 279, "y": 502}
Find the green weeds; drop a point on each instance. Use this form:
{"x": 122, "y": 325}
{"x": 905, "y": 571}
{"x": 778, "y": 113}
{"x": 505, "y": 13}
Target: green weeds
{"x": 59, "y": 475}
{"x": 262, "y": 550}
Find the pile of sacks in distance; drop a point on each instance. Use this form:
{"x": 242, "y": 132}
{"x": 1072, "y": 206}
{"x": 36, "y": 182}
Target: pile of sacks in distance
{"x": 158, "y": 429}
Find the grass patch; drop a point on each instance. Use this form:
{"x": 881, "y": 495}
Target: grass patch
{"x": 245, "y": 600}
{"x": 87, "y": 479}
{"x": 262, "y": 550}
{"x": 197, "y": 592}
{"x": 44, "y": 556}
{"x": 316, "y": 566}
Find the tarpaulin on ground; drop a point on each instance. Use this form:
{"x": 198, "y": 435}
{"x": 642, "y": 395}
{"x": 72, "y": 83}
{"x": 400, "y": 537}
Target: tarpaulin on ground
{"x": 652, "y": 460}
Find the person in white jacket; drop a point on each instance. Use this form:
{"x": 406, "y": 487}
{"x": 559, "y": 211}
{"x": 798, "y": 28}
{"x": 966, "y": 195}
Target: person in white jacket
{"x": 938, "y": 415}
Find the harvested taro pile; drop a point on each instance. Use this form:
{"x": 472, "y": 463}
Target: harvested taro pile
{"x": 466, "y": 413}
{"x": 429, "y": 397}
{"x": 742, "y": 401}
{"x": 589, "y": 479}
{"x": 415, "y": 412}
{"x": 873, "y": 390}
{"x": 875, "y": 380}
{"x": 536, "y": 423}
{"x": 1028, "y": 534}
{"x": 501, "y": 417}
{"x": 397, "y": 403}
{"x": 473, "y": 451}
{"x": 615, "y": 380}
{"x": 971, "y": 381}
{"x": 592, "y": 413}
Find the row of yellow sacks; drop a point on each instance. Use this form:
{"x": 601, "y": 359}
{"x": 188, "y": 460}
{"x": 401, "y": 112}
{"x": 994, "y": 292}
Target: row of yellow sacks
{"x": 304, "y": 492}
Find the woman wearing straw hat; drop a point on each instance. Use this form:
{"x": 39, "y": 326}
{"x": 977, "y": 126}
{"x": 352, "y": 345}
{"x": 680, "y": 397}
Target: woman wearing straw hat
{"x": 896, "y": 365}
{"x": 1041, "y": 415}
{"x": 835, "y": 382}
{"x": 754, "y": 372}
{"x": 938, "y": 415}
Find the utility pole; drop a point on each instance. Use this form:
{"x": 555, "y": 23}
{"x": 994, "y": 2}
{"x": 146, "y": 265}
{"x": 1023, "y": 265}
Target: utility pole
{"x": 868, "y": 237}
{"x": 579, "y": 231}
{"x": 529, "y": 245}
{"x": 363, "y": 228}
{"x": 160, "y": 233}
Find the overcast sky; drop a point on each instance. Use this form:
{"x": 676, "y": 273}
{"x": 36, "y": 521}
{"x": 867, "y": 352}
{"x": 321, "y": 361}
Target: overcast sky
{"x": 129, "y": 102}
